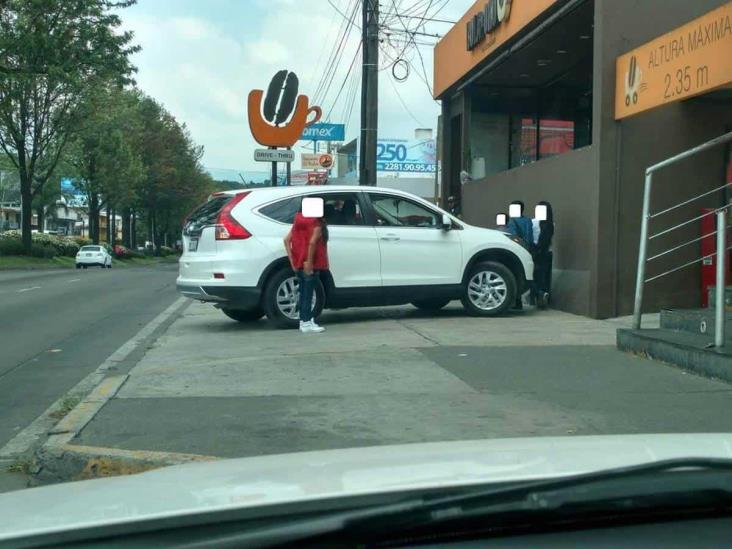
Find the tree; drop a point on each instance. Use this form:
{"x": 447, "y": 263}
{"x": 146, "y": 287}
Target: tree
{"x": 46, "y": 203}
{"x": 105, "y": 152}
{"x": 174, "y": 181}
{"x": 52, "y": 53}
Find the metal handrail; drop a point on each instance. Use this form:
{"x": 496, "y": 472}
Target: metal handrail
{"x": 644, "y": 238}
{"x": 684, "y": 223}
{"x": 657, "y": 214}
{"x": 675, "y": 248}
{"x": 699, "y": 260}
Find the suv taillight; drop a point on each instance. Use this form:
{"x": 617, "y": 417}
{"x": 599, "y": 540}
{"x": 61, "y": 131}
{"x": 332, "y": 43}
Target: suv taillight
{"x": 228, "y": 228}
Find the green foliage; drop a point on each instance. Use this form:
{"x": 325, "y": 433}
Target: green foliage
{"x": 11, "y": 246}
{"x": 11, "y": 240}
{"x": 52, "y": 54}
{"x": 39, "y": 250}
{"x": 166, "y": 251}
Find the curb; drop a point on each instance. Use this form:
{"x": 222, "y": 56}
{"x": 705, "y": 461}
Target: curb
{"x": 61, "y": 461}
{"x": 703, "y": 362}
{"x": 99, "y": 387}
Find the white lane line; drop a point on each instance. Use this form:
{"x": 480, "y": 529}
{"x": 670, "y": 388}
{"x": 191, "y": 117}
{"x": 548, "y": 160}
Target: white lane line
{"x": 73, "y": 280}
{"x": 29, "y": 289}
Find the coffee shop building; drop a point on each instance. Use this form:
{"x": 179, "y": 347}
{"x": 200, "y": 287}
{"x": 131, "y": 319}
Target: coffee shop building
{"x": 569, "y": 101}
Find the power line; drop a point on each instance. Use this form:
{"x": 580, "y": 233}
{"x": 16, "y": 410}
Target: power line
{"x": 320, "y": 55}
{"x": 343, "y": 84}
{"x": 428, "y": 19}
{"x": 336, "y": 49}
{"x": 412, "y": 32}
{"x": 322, "y": 92}
{"x": 351, "y": 92}
{"x": 342, "y": 14}
{"x": 401, "y": 100}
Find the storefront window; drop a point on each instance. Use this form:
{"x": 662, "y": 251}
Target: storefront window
{"x": 523, "y": 140}
{"x": 555, "y": 137}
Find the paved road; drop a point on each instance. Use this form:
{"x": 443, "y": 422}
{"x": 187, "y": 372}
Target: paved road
{"x": 58, "y": 326}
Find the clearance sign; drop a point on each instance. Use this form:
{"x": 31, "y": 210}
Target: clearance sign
{"x": 685, "y": 62}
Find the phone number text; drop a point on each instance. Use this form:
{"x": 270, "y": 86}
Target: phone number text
{"x": 405, "y": 167}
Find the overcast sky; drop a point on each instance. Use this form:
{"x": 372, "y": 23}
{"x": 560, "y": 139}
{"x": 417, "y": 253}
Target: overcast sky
{"x": 200, "y": 58}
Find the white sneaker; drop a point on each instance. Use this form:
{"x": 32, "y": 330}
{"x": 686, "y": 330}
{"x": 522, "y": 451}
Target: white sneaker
{"x": 310, "y": 328}
{"x": 316, "y": 327}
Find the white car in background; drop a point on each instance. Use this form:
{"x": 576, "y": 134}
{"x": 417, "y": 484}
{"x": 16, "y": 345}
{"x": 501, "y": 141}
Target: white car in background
{"x": 93, "y": 256}
{"x": 386, "y": 247}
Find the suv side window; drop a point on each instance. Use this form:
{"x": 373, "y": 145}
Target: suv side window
{"x": 396, "y": 211}
{"x": 283, "y": 210}
{"x": 341, "y": 209}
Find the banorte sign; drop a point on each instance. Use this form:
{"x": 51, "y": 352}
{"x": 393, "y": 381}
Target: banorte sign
{"x": 487, "y": 20}
{"x": 278, "y": 118}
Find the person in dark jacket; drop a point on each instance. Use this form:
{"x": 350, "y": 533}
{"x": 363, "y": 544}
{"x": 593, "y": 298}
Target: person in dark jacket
{"x": 521, "y": 227}
{"x": 543, "y": 256}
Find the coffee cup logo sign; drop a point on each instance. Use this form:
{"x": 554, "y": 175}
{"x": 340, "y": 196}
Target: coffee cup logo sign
{"x": 325, "y": 161}
{"x": 487, "y": 20}
{"x": 633, "y": 82}
{"x": 278, "y": 118}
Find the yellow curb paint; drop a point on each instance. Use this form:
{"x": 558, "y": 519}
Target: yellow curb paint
{"x": 83, "y": 413}
{"x": 107, "y": 462}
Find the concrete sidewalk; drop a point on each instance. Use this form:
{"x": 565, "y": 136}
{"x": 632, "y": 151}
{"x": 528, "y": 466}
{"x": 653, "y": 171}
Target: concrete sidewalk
{"x": 211, "y": 387}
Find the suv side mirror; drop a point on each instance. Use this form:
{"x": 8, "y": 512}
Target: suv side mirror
{"x": 446, "y": 222}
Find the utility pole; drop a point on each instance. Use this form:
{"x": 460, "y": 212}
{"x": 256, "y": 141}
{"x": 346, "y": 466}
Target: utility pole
{"x": 369, "y": 91}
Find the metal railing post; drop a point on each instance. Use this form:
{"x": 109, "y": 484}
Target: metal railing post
{"x": 719, "y": 308}
{"x": 642, "y": 252}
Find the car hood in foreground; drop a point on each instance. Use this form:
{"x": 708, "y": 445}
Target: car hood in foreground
{"x": 288, "y": 478}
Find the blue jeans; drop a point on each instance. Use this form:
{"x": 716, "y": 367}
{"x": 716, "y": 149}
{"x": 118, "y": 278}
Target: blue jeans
{"x": 307, "y": 287}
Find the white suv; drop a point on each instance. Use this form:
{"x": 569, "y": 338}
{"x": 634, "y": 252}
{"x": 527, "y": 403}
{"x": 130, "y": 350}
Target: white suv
{"x": 386, "y": 247}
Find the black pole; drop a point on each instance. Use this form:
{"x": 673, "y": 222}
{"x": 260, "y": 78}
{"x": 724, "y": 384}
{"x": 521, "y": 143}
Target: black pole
{"x": 273, "y": 180}
{"x": 372, "y": 99}
{"x": 364, "y": 92}
{"x": 288, "y": 172}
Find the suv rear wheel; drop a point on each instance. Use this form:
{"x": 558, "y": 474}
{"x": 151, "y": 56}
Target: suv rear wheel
{"x": 281, "y": 299}
{"x": 244, "y": 315}
{"x": 490, "y": 289}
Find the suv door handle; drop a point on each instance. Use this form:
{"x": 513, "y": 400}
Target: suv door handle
{"x": 390, "y": 237}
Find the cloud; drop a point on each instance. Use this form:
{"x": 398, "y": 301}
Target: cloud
{"x": 191, "y": 28}
{"x": 202, "y": 65}
{"x": 267, "y": 52}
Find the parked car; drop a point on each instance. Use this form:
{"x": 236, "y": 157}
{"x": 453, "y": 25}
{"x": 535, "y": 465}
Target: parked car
{"x": 386, "y": 247}
{"x": 89, "y": 256}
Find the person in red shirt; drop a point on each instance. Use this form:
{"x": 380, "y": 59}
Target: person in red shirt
{"x": 307, "y": 248}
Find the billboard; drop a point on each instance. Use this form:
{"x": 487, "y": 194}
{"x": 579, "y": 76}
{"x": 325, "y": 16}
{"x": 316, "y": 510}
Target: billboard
{"x": 324, "y": 132}
{"x": 406, "y": 156}
{"x": 75, "y": 196}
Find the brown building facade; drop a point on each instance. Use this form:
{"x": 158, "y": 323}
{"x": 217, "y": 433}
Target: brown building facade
{"x": 528, "y": 93}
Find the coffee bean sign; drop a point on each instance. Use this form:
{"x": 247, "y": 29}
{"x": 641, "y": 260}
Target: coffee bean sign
{"x": 278, "y": 118}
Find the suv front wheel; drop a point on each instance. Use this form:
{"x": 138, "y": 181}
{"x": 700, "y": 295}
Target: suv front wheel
{"x": 490, "y": 289}
{"x": 281, "y": 299}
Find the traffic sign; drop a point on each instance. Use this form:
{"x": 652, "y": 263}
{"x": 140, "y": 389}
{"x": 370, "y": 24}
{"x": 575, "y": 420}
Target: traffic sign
{"x": 274, "y": 155}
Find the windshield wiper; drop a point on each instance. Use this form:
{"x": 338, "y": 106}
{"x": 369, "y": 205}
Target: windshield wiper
{"x": 700, "y": 484}
{"x": 656, "y": 480}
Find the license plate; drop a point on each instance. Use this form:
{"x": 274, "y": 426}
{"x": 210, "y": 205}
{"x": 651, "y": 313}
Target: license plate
{"x": 88, "y": 255}
{"x": 193, "y": 245}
